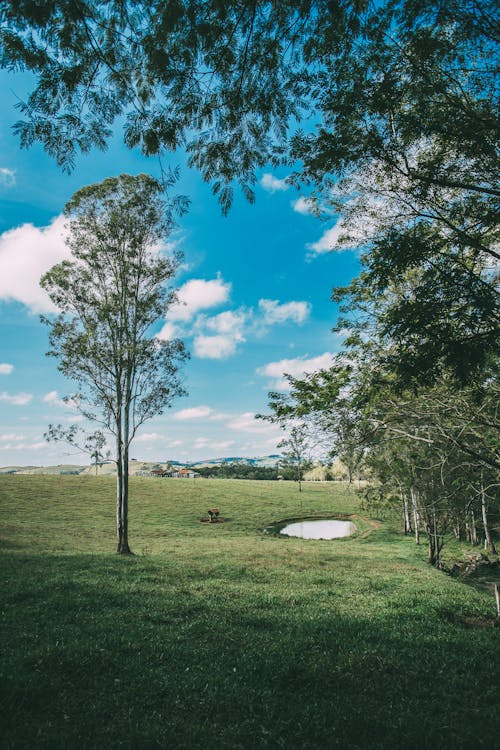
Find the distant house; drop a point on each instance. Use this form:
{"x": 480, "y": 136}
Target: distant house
{"x": 185, "y": 474}
{"x": 161, "y": 473}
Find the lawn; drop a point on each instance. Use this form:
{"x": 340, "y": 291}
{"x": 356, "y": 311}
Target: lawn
{"x": 222, "y": 636}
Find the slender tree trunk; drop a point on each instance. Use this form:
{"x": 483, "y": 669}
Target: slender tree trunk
{"x": 123, "y": 546}
{"x": 119, "y": 489}
{"x": 489, "y": 543}
{"x": 416, "y": 518}
{"x": 430, "y": 544}
{"x": 473, "y": 529}
{"x": 468, "y": 535}
{"x": 406, "y": 515}
{"x": 437, "y": 548}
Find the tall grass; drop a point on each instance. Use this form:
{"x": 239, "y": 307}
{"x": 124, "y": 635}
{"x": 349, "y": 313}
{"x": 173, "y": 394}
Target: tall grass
{"x": 220, "y": 636}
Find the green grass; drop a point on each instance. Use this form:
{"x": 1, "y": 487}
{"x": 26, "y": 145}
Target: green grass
{"x": 220, "y": 636}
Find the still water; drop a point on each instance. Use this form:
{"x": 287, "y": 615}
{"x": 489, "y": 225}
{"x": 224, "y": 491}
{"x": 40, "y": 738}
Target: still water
{"x": 319, "y": 529}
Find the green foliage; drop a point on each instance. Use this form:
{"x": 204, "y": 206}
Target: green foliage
{"x": 238, "y": 471}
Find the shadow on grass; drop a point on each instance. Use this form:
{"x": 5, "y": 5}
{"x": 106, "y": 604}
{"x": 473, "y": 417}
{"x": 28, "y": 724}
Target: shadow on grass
{"x": 101, "y": 651}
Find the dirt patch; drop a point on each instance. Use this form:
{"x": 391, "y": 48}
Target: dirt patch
{"x": 369, "y": 521}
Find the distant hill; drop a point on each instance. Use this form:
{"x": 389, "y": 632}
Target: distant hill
{"x": 267, "y": 461}
{"x": 139, "y": 467}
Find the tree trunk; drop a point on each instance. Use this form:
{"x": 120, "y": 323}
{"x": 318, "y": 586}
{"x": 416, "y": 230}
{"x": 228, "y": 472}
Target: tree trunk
{"x": 488, "y": 541}
{"x": 123, "y": 546}
{"x": 473, "y": 529}
{"x": 436, "y": 540}
{"x": 119, "y": 491}
{"x": 416, "y": 518}
{"x": 430, "y": 545}
{"x": 406, "y": 515}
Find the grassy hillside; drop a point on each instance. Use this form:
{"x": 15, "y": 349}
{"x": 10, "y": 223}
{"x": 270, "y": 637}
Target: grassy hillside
{"x": 219, "y": 636}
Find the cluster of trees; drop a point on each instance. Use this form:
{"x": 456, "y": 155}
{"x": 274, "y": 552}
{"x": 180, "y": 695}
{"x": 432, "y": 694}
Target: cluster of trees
{"x": 431, "y": 451}
{"x": 404, "y": 95}
{"x": 238, "y": 470}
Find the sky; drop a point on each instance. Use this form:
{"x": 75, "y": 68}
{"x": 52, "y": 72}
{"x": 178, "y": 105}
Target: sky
{"x": 255, "y": 288}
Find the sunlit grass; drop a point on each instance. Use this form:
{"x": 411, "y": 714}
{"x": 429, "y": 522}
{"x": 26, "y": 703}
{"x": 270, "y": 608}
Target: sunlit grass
{"x": 219, "y": 636}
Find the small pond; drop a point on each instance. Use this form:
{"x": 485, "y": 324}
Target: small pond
{"x": 319, "y": 529}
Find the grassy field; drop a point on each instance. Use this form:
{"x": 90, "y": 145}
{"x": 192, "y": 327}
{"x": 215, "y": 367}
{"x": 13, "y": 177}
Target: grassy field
{"x": 220, "y": 636}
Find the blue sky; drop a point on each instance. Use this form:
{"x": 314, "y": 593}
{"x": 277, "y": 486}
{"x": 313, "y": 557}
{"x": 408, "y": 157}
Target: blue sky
{"x": 255, "y": 288}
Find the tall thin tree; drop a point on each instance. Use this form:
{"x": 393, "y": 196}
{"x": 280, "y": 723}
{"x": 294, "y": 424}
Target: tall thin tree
{"x": 109, "y": 296}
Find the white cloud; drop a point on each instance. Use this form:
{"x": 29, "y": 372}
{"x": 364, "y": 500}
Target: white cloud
{"x": 38, "y": 446}
{"x": 296, "y": 367}
{"x": 273, "y": 312}
{"x": 7, "y": 177}
{"x": 198, "y": 294}
{"x": 13, "y": 447}
{"x": 346, "y": 237}
{"x": 272, "y": 184}
{"x": 6, "y": 369}
{"x": 214, "y": 347}
{"x": 228, "y": 327}
{"x": 12, "y": 436}
{"x": 149, "y": 437}
{"x": 329, "y": 239}
{"x": 168, "y": 332}
{"x": 201, "y": 442}
{"x": 227, "y": 323}
{"x": 246, "y": 422}
{"x": 304, "y": 206}
{"x": 18, "y": 399}
{"x": 195, "y": 412}
{"x": 52, "y": 397}
{"x": 26, "y": 253}
{"x": 223, "y": 445}
{"x": 24, "y": 446}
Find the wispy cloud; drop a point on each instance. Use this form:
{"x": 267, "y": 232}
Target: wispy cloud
{"x": 295, "y": 367}
{"x": 343, "y": 236}
{"x": 194, "y": 412}
{"x": 149, "y": 437}
{"x": 17, "y": 399}
{"x": 274, "y": 312}
{"x": 23, "y": 446}
{"x": 246, "y": 422}
{"x": 304, "y": 206}
{"x": 223, "y": 445}
{"x": 272, "y": 184}
{"x": 7, "y": 177}
{"x": 53, "y": 398}
{"x": 6, "y": 369}
{"x": 168, "y": 332}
